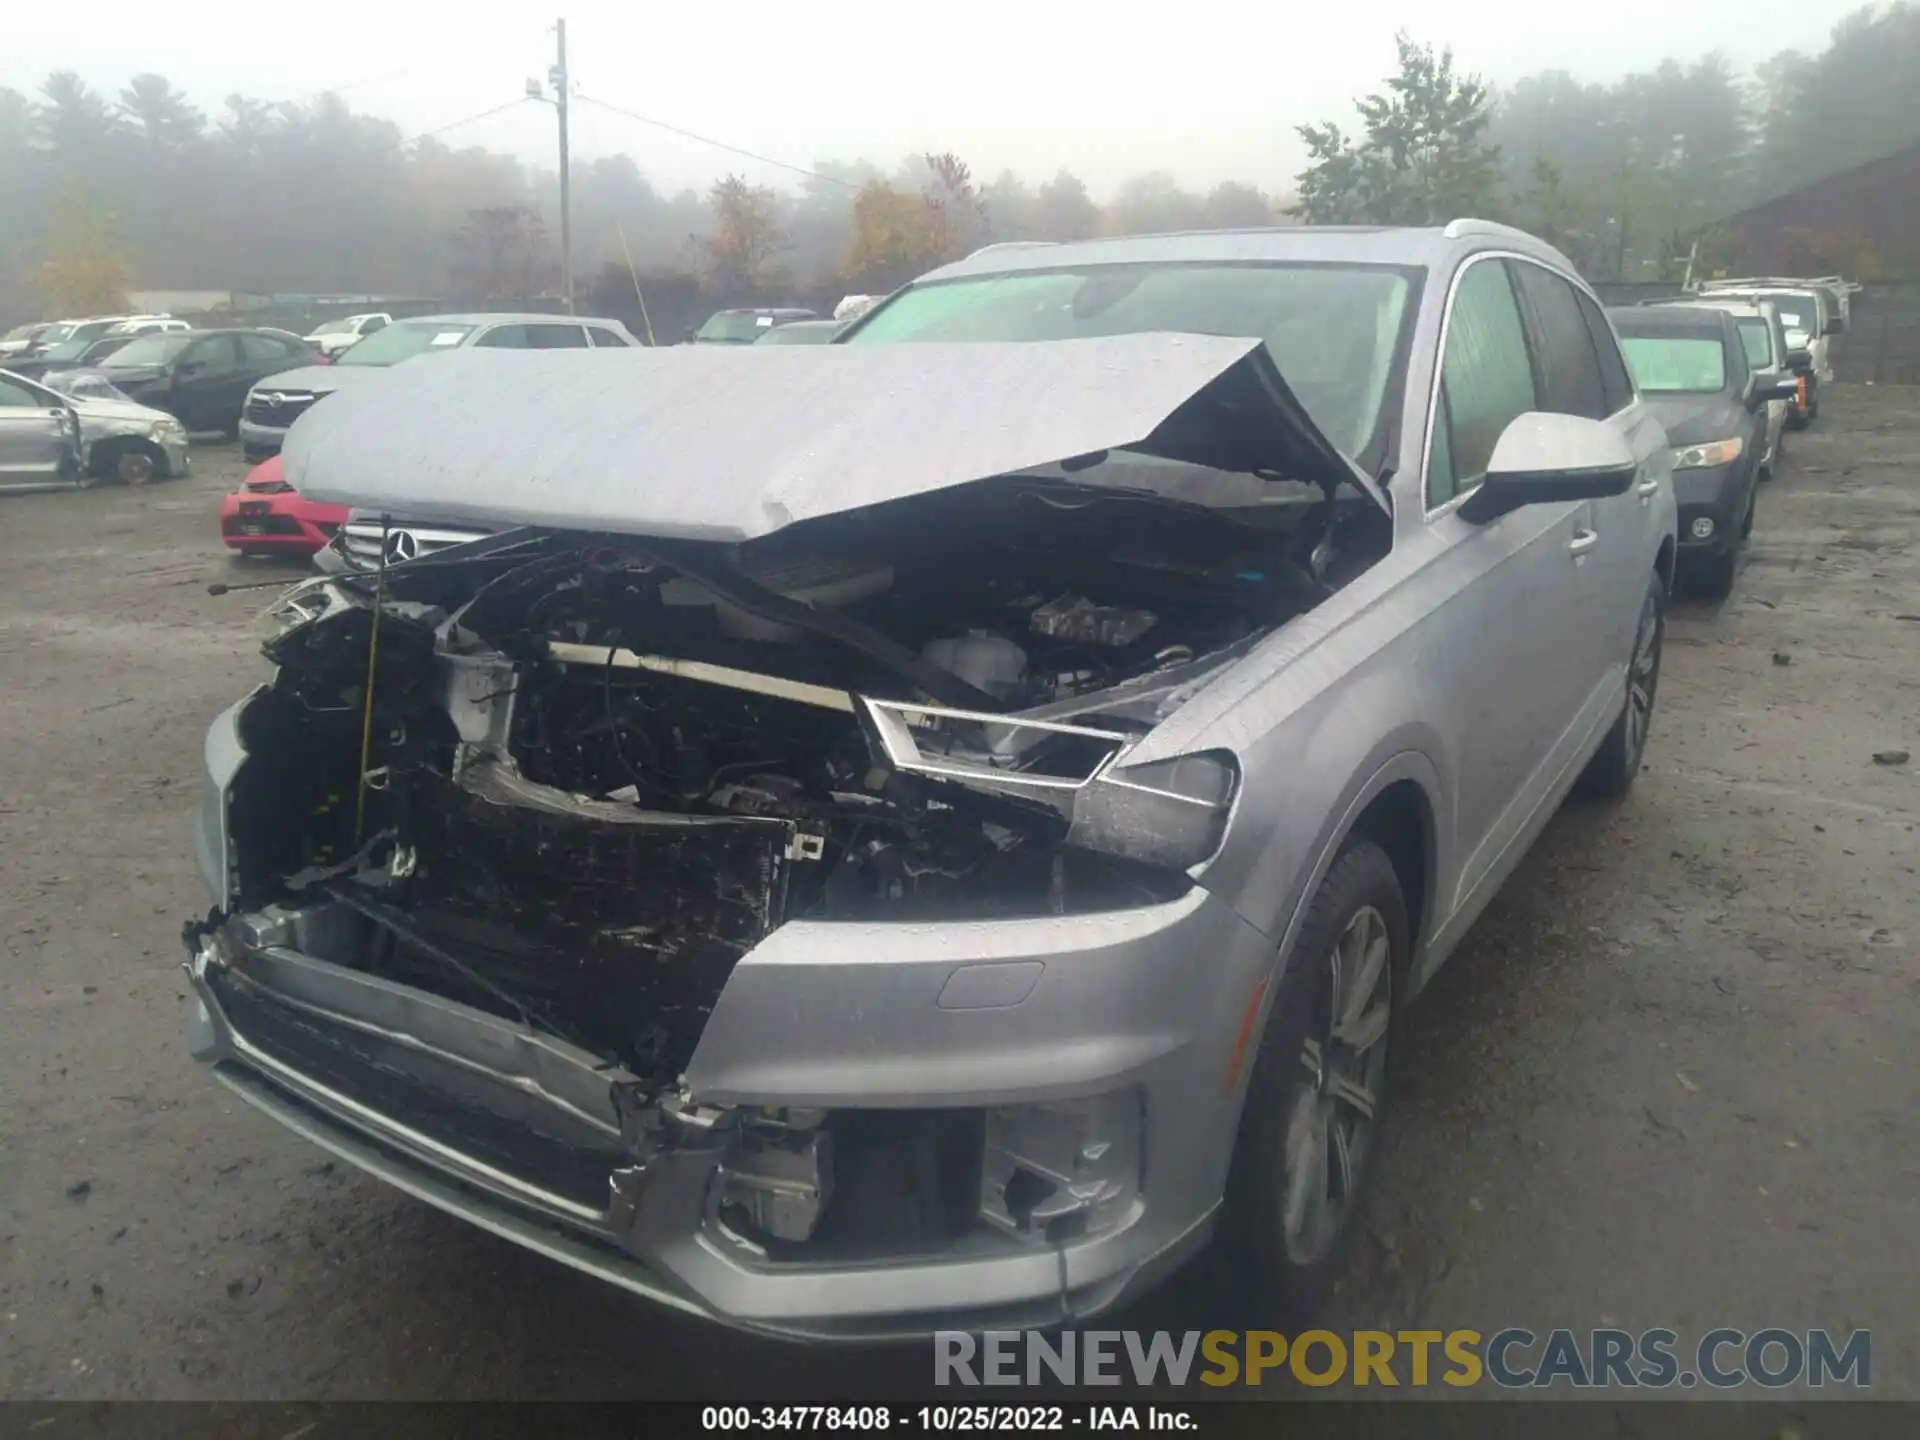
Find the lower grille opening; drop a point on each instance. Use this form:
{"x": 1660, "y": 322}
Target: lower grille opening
{"x": 424, "y": 1094}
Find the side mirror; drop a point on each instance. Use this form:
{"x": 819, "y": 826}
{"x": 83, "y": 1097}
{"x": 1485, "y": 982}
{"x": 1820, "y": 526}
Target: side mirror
{"x": 1800, "y": 360}
{"x": 687, "y": 339}
{"x": 1544, "y": 459}
{"x": 1836, "y": 326}
{"x": 1764, "y": 388}
{"x": 189, "y": 367}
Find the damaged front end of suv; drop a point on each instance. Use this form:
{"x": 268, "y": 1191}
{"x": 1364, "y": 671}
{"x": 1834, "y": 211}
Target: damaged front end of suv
{"x": 769, "y": 908}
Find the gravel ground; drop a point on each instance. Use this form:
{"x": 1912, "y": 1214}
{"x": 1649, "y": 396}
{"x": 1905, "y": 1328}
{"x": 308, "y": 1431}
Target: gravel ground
{"x": 1668, "y": 1080}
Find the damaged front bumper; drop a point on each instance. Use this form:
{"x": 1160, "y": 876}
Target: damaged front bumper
{"x": 996, "y": 1123}
{"x": 997, "y": 1031}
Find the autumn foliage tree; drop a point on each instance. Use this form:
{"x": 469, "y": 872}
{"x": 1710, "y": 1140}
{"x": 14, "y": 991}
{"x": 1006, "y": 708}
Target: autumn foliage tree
{"x": 85, "y": 270}
{"x": 746, "y": 236}
{"x": 891, "y": 240}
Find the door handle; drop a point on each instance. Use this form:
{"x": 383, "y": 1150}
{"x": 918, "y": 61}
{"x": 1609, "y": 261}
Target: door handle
{"x": 1648, "y": 487}
{"x": 1583, "y": 542}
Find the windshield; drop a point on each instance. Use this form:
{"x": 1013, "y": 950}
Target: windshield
{"x": 67, "y": 349}
{"x": 332, "y": 327}
{"x": 1332, "y": 330}
{"x": 1797, "y": 312}
{"x": 147, "y": 350}
{"x": 24, "y": 332}
{"x": 1676, "y": 363}
{"x": 57, "y": 332}
{"x": 1757, "y": 337}
{"x": 801, "y": 332}
{"x": 402, "y": 342}
{"x": 734, "y": 327}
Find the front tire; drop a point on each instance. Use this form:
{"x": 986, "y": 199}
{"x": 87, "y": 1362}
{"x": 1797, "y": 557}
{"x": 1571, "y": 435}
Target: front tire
{"x": 1615, "y": 764}
{"x": 1317, "y": 1097}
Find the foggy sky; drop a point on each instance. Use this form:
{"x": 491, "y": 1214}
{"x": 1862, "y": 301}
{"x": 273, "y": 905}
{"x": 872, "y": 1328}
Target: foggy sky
{"x": 1207, "y": 90}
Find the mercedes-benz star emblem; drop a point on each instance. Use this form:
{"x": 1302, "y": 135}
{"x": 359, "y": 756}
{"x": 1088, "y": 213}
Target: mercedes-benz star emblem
{"x": 402, "y": 546}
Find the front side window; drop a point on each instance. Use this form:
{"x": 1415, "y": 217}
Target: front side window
{"x": 1486, "y": 381}
{"x": 503, "y": 337}
{"x": 213, "y": 357}
{"x": 606, "y": 339}
{"x": 1677, "y": 364}
{"x": 1333, "y": 331}
{"x": 14, "y": 395}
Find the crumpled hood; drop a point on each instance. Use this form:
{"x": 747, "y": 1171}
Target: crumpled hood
{"x": 725, "y": 443}
{"x": 1695, "y": 419}
{"x": 116, "y": 411}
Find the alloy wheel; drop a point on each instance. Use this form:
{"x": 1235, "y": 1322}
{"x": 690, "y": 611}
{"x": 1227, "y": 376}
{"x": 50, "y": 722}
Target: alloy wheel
{"x": 134, "y": 467}
{"x": 1335, "y": 1101}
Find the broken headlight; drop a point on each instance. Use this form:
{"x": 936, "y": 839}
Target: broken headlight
{"x": 1170, "y": 812}
{"x": 1062, "y": 1169}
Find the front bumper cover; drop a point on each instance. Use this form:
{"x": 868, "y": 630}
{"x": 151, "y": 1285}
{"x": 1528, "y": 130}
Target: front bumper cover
{"x": 655, "y": 1230}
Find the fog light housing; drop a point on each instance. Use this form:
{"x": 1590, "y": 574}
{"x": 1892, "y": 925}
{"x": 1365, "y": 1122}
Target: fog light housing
{"x": 1702, "y": 528}
{"x": 1064, "y": 1168}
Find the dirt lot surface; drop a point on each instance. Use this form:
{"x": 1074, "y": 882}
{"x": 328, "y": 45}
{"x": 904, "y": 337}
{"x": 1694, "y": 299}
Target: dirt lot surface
{"x": 1669, "y": 1080}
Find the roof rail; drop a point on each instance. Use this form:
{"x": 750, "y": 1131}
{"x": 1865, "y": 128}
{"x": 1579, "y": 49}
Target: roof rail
{"x": 1467, "y": 225}
{"x": 1010, "y": 245}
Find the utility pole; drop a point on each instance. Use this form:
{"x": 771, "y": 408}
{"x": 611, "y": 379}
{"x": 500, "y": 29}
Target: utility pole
{"x": 558, "y": 75}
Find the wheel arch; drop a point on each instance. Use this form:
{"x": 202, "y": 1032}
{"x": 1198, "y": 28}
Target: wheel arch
{"x": 102, "y": 454}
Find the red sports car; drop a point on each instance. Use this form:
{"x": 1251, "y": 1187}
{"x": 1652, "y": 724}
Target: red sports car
{"x": 267, "y": 516}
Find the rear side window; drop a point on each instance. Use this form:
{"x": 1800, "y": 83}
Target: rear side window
{"x": 1615, "y": 381}
{"x": 266, "y": 349}
{"x": 1563, "y": 354}
{"x": 503, "y": 337}
{"x": 13, "y": 396}
{"x": 1486, "y": 380}
{"x": 556, "y": 337}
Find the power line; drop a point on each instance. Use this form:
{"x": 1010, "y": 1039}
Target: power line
{"x": 717, "y": 144}
{"x": 350, "y": 85}
{"x": 468, "y": 120}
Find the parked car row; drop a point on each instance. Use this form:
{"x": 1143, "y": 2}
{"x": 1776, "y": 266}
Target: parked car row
{"x": 1813, "y": 312}
{"x": 269, "y": 409}
{"x": 1723, "y": 411}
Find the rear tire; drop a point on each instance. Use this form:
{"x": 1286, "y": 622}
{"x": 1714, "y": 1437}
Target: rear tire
{"x": 1611, "y": 772}
{"x": 1317, "y": 1098}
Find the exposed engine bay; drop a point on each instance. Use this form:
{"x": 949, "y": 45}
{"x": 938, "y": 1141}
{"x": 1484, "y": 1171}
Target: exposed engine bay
{"x": 570, "y": 780}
